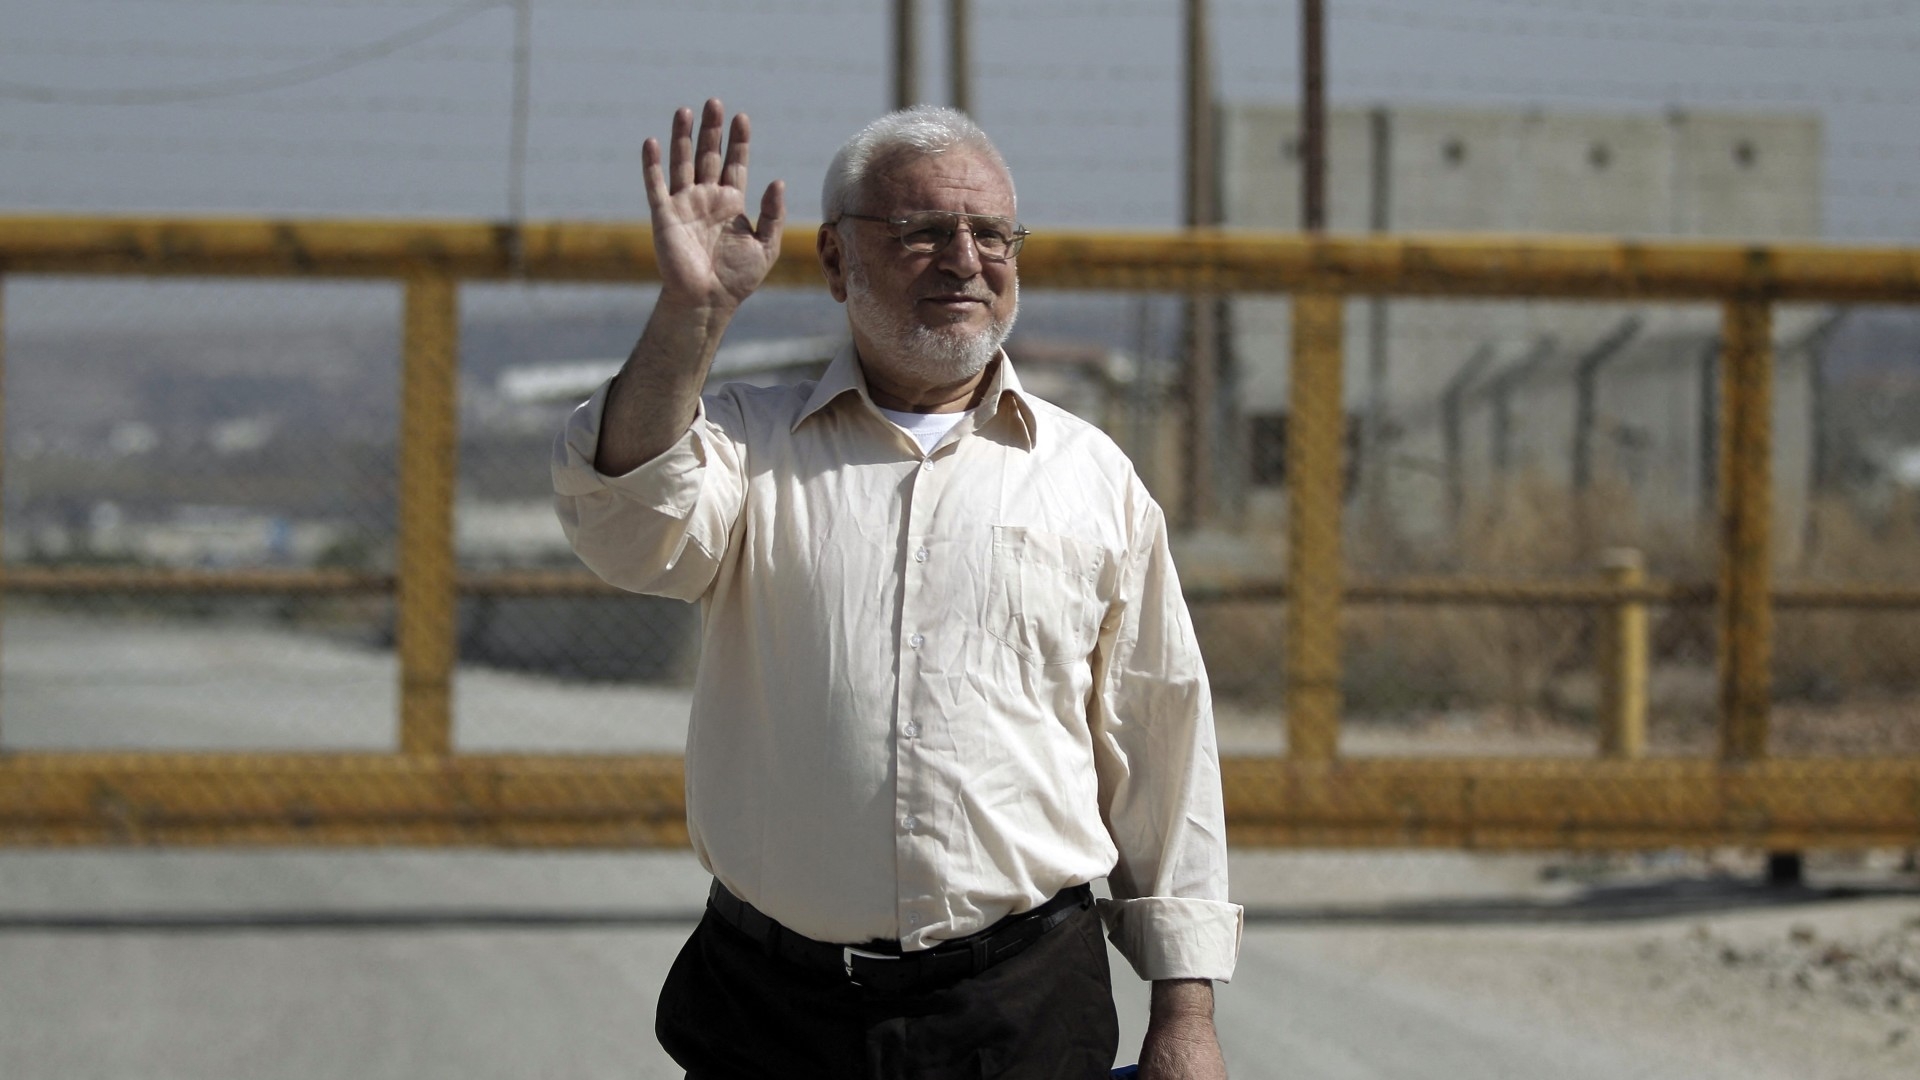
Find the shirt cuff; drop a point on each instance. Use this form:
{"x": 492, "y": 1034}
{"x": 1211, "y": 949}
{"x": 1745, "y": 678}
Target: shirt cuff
{"x": 1172, "y": 937}
{"x": 669, "y": 483}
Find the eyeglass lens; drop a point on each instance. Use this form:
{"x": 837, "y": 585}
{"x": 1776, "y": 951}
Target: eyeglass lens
{"x": 930, "y": 231}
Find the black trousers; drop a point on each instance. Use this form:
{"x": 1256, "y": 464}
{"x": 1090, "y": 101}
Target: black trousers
{"x": 729, "y": 1011}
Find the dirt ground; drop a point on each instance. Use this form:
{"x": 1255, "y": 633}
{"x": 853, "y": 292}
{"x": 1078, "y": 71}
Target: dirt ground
{"x": 1664, "y": 963}
{"x": 1750, "y": 994}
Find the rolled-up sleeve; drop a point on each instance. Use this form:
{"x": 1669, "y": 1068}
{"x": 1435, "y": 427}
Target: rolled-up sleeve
{"x": 1159, "y": 771}
{"x": 663, "y": 527}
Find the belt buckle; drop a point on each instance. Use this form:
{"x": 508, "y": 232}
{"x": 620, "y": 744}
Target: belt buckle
{"x": 848, "y": 954}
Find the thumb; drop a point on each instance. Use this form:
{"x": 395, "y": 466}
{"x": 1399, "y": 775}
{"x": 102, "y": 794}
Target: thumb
{"x": 773, "y": 212}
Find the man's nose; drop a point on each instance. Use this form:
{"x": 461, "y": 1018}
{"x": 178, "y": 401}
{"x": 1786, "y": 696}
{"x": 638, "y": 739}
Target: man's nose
{"x": 961, "y": 256}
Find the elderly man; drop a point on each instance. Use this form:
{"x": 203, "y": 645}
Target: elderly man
{"x": 947, "y": 677}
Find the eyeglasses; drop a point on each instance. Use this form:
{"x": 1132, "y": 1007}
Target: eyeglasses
{"x": 924, "y": 232}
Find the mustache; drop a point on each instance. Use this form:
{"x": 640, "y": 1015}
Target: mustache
{"x": 972, "y": 290}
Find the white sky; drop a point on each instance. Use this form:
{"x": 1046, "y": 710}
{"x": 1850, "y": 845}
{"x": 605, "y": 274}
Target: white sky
{"x": 1084, "y": 95}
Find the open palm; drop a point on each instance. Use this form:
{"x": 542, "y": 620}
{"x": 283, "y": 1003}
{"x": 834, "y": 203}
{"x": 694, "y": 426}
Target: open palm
{"x": 708, "y": 250}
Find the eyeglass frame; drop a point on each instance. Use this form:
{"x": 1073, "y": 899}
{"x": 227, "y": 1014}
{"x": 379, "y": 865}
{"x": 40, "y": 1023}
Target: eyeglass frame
{"x": 1015, "y": 239}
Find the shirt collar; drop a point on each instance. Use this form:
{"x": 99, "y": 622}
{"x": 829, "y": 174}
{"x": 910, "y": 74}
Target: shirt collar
{"x": 844, "y": 376}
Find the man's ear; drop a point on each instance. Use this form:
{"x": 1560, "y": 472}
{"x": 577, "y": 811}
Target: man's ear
{"x": 833, "y": 261}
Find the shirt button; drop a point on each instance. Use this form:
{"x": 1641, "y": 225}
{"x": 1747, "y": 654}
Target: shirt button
{"x": 917, "y": 640}
{"x": 912, "y": 729}
{"x": 926, "y": 466}
{"x": 913, "y": 918}
{"x": 909, "y": 823}
{"x": 920, "y": 556}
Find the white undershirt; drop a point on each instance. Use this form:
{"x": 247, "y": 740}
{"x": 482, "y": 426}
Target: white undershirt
{"x": 926, "y": 428}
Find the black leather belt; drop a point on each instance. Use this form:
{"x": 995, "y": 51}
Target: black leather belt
{"x": 881, "y": 965}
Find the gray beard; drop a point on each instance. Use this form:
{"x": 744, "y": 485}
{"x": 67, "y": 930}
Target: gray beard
{"x": 932, "y": 356}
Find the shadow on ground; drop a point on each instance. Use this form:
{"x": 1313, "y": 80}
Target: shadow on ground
{"x": 1592, "y": 904}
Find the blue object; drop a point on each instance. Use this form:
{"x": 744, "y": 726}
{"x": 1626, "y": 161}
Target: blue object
{"x": 1126, "y": 1071}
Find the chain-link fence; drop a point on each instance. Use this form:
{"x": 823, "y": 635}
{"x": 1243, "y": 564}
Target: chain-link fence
{"x": 162, "y": 427}
{"x": 239, "y": 567}
{"x": 213, "y": 442}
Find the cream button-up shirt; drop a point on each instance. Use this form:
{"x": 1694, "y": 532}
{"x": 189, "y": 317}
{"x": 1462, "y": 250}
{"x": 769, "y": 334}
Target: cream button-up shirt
{"x": 934, "y": 688}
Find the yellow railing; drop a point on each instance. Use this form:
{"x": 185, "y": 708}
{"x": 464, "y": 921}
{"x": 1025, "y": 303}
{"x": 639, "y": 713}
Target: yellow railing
{"x": 426, "y": 794}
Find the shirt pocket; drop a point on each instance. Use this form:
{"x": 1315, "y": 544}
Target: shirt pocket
{"x": 1044, "y": 594}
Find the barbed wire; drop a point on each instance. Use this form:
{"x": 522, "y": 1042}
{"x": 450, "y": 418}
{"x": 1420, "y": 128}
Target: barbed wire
{"x": 1674, "y": 92}
{"x": 620, "y": 153}
{"x": 1589, "y": 31}
{"x": 628, "y": 110}
{"x": 378, "y": 104}
{"x": 1835, "y": 11}
{"x": 1092, "y": 71}
{"x": 1661, "y": 10}
{"x": 1666, "y": 10}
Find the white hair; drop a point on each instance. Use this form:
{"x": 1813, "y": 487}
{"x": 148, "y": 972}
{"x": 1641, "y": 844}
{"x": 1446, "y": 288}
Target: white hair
{"x": 922, "y": 130}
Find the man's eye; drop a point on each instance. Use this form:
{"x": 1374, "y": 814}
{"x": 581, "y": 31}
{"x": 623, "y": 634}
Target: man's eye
{"x": 927, "y": 235}
{"x": 991, "y": 237}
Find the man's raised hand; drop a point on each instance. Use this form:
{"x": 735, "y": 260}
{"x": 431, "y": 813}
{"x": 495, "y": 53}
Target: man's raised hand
{"x": 711, "y": 258}
{"x": 710, "y": 254}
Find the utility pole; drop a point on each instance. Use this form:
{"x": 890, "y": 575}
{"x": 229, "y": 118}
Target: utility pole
{"x": 517, "y": 131}
{"x": 1199, "y": 497}
{"x": 1313, "y": 115}
{"x": 1373, "y": 430}
{"x": 959, "y": 62}
{"x": 906, "y": 54}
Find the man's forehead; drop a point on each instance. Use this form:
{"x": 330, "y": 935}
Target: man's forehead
{"x": 961, "y": 169}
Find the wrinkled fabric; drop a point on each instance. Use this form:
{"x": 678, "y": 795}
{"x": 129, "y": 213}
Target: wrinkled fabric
{"x": 934, "y": 688}
{"x": 728, "y": 1011}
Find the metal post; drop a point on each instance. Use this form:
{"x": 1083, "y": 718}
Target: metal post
{"x": 906, "y": 54}
{"x": 1708, "y": 456}
{"x": 959, "y": 54}
{"x": 517, "y": 128}
{"x": 428, "y": 449}
{"x": 3, "y": 447}
{"x": 1623, "y": 660}
{"x": 1313, "y": 115}
{"x": 1199, "y": 492}
{"x": 1374, "y": 432}
{"x": 1315, "y": 439}
{"x": 1746, "y": 490}
{"x": 1453, "y": 403}
{"x": 1586, "y": 396}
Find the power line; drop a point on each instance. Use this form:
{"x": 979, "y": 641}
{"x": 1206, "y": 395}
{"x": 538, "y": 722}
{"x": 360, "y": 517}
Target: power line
{"x": 742, "y": 7}
{"x": 282, "y": 149}
{"x": 345, "y": 60}
{"x": 612, "y": 55}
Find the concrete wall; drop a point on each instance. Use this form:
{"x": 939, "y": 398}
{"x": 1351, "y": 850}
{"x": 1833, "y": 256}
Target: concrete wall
{"x": 1719, "y": 175}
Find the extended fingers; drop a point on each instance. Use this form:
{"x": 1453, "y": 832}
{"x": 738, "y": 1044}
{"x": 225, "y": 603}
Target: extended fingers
{"x": 773, "y": 212}
{"x": 707, "y": 161}
{"x": 681, "y": 157}
{"x": 654, "y": 176}
{"x": 734, "y": 174}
